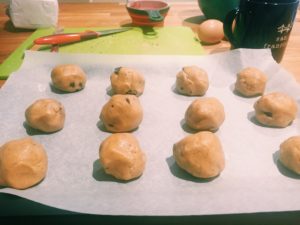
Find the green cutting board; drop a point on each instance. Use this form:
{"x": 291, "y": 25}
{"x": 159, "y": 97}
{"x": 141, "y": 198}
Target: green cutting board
{"x": 162, "y": 41}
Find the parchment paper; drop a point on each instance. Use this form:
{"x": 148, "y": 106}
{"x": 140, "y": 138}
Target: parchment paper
{"x": 252, "y": 181}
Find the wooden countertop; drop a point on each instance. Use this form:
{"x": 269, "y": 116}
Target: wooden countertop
{"x": 115, "y": 14}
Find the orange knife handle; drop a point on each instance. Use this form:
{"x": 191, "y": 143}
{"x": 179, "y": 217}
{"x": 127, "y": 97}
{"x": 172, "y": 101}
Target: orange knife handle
{"x": 58, "y": 39}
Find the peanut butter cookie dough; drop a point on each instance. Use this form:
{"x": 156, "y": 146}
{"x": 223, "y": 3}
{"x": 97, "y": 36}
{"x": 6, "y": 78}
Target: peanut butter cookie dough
{"x": 47, "y": 115}
{"x": 127, "y": 81}
{"x": 192, "y": 81}
{"x": 289, "y": 154}
{"x": 205, "y": 114}
{"x": 200, "y": 154}
{"x": 68, "y": 78}
{"x": 121, "y": 156}
{"x": 275, "y": 109}
{"x": 122, "y": 113}
{"x": 23, "y": 163}
{"x": 250, "y": 82}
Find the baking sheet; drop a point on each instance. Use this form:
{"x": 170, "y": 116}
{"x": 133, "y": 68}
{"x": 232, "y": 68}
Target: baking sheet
{"x": 252, "y": 180}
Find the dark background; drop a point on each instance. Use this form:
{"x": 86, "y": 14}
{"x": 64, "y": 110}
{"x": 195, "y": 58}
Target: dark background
{"x": 17, "y": 210}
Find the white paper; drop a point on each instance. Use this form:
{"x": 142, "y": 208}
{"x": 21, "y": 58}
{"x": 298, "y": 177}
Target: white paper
{"x": 252, "y": 181}
{"x": 33, "y": 14}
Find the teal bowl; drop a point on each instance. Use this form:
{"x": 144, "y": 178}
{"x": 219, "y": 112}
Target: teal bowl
{"x": 217, "y": 9}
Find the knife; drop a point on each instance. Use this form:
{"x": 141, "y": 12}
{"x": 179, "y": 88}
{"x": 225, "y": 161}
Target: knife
{"x": 59, "y": 39}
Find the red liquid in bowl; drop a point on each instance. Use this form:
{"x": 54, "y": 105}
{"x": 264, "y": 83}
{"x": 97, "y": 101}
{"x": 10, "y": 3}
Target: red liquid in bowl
{"x": 147, "y": 5}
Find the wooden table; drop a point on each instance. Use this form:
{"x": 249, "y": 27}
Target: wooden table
{"x": 114, "y": 14}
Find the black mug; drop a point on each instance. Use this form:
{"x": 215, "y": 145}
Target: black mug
{"x": 261, "y": 24}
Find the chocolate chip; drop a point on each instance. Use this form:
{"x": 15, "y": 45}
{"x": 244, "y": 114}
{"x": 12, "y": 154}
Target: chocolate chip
{"x": 131, "y": 92}
{"x": 268, "y": 114}
{"x": 117, "y": 70}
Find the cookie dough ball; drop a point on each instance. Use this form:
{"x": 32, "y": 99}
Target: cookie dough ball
{"x": 122, "y": 113}
{"x": 121, "y": 156}
{"x": 205, "y": 114}
{"x": 46, "y": 115}
{"x": 289, "y": 154}
{"x": 127, "y": 81}
{"x": 68, "y": 78}
{"x": 250, "y": 82}
{"x": 23, "y": 163}
{"x": 192, "y": 81}
{"x": 275, "y": 109}
{"x": 200, "y": 154}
